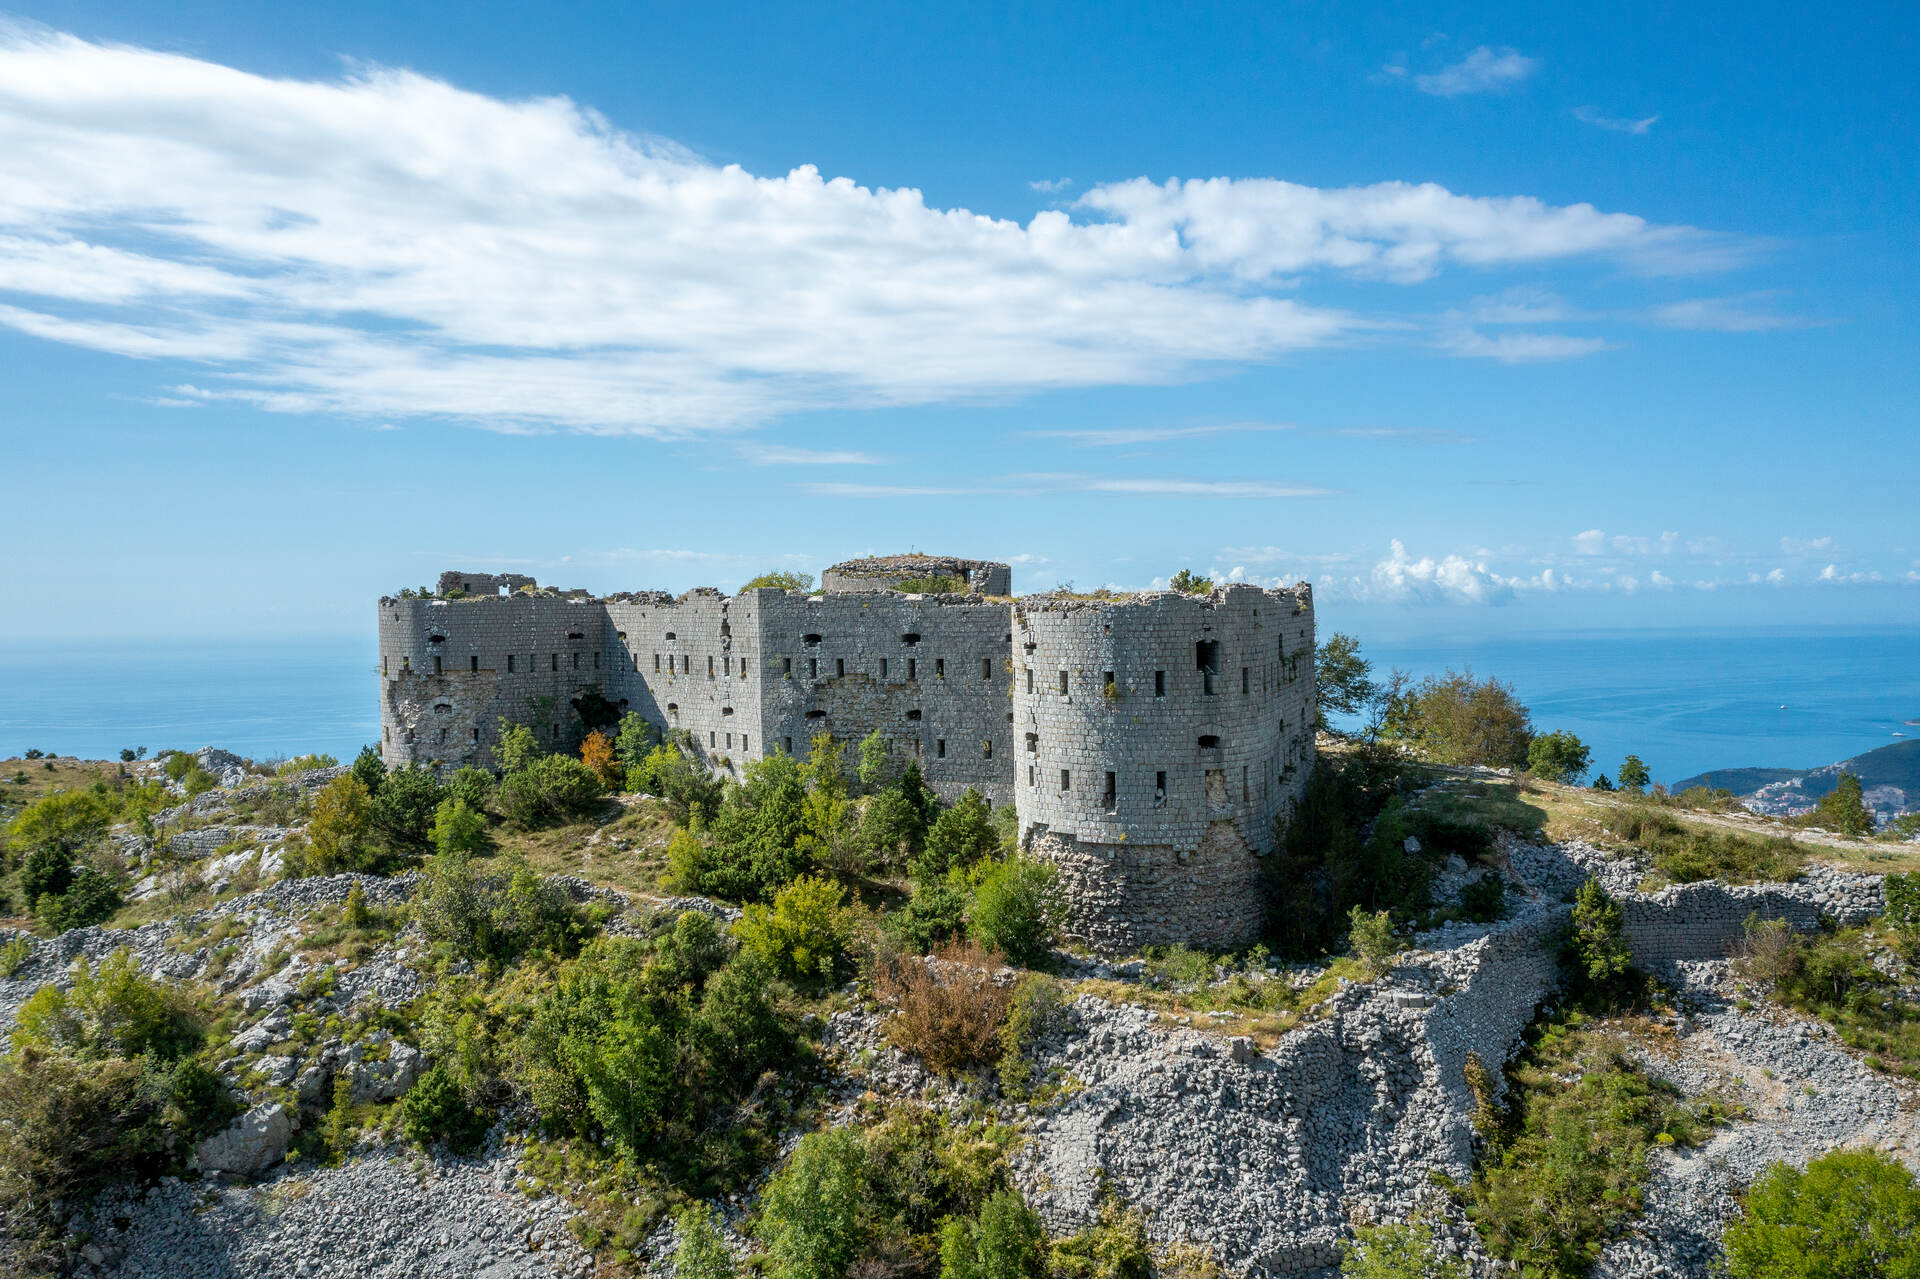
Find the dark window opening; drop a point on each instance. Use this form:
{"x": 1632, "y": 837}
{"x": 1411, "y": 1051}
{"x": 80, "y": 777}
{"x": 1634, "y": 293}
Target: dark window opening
{"x": 406, "y": 663}
{"x": 1033, "y": 743}
{"x": 1029, "y": 679}
{"x": 840, "y": 667}
{"x": 1066, "y": 780}
{"x": 473, "y": 665}
{"x": 913, "y": 668}
{"x": 1159, "y": 683}
{"x": 1159, "y": 790}
{"x": 914, "y": 714}
{"x": 729, "y": 741}
{"x": 383, "y": 663}
{"x": 673, "y": 708}
{"x": 686, "y": 663}
{"x": 436, "y": 663}
{"x": 910, "y": 638}
{"x": 986, "y": 668}
{"x": 709, "y": 665}
{"x": 743, "y": 741}
{"x": 671, "y": 635}
{"x": 1063, "y": 681}
{"x": 509, "y": 663}
{"x": 1246, "y": 791}
{"x": 813, "y": 668}
{"x": 556, "y": 660}
{"x": 1107, "y": 685}
{"x": 1245, "y": 687}
{"x": 816, "y": 714}
{"x": 711, "y": 739}
{"x": 575, "y": 635}
{"x": 786, "y": 744}
{"x": 1111, "y": 799}
{"x": 810, "y": 640}
{"x": 726, "y": 664}
{"x": 939, "y": 668}
{"x": 940, "y": 748}
{"x": 476, "y": 734}
{"x": 1206, "y": 656}
{"x": 576, "y": 661}
{"x": 1033, "y": 775}
{"x": 1208, "y": 742}
{"x": 883, "y": 668}
{"x": 436, "y": 639}
{"x": 986, "y": 749}
{"x": 726, "y": 710}
{"x": 656, "y": 663}
{"x": 786, "y": 668}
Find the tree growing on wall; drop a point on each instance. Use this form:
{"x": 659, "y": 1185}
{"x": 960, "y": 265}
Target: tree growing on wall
{"x": 1188, "y": 582}
{"x": 780, "y": 580}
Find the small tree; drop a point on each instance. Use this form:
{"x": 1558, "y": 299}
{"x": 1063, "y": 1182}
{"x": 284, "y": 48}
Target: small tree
{"x": 402, "y": 811}
{"x": 517, "y": 747}
{"x": 1853, "y": 1214}
{"x": 1188, "y": 582}
{"x": 1600, "y": 935}
{"x": 877, "y": 767}
{"x": 597, "y": 753}
{"x": 1456, "y": 719}
{"x": 1558, "y": 756}
{"x": 963, "y": 836}
{"x": 1371, "y": 937}
{"x": 457, "y": 828}
{"x": 780, "y": 580}
{"x": 1603, "y": 782}
{"x": 1633, "y": 774}
{"x": 370, "y": 769}
{"x": 635, "y": 740}
{"x": 337, "y": 831}
{"x": 1844, "y": 808}
{"x": 811, "y": 1213}
{"x": 1005, "y": 1242}
{"x": 1342, "y": 679}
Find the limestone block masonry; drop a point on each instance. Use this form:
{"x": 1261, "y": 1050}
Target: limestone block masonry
{"x": 1147, "y": 742}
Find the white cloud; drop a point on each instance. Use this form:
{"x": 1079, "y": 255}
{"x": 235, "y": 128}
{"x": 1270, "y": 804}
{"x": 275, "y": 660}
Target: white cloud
{"x": 1591, "y": 542}
{"x": 1805, "y": 546}
{"x": 1039, "y": 483}
{"x": 1051, "y": 184}
{"x": 390, "y": 245}
{"x": 1744, "y": 313}
{"x": 1485, "y": 70}
{"x": 1518, "y": 348}
{"x": 774, "y": 455}
{"x": 1453, "y": 579}
{"x": 1615, "y": 124}
{"x": 1833, "y": 573}
{"x": 1124, "y": 435}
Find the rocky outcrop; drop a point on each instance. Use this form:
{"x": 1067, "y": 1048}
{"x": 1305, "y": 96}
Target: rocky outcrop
{"x": 250, "y": 1145}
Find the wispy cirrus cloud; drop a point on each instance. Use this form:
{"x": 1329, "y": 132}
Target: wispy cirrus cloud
{"x": 1615, "y": 124}
{"x": 1108, "y": 437}
{"x": 1518, "y": 348}
{"x": 1742, "y": 313}
{"x": 389, "y": 245}
{"x": 1484, "y": 70}
{"x": 1069, "y": 482}
{"x": 779, "y": 455}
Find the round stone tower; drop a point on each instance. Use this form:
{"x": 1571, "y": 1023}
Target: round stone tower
{"x": 1158, "y": 737}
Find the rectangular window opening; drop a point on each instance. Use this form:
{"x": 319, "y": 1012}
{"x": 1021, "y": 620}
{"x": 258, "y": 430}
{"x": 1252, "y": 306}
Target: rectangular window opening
{"x": 436, "y": 663}
{"x": 1063, "y": 681}
{"x": 1245, "y": 686}
{"x": 786, "y": 668}
{"x": 1159, "y": 683}
{"x": 986, "y": 668}
{"x": 1159, "y": 790}
{"x": 1206, "y": 657}
{"x": 709, "y": 665}
{"x": 712, "y": 738}
{"x": 1246, "y": 789}
{"x": 813, "y": 668}
{"x": 1033, "y": 775}
{"x": 596, "y": 659}
{"x": 473, "y": 665}
{"x": 656, "y": 663}
{"x": 940, "y": 748}
{"x": 986, "y": 749}
{"x": 1107, "y": 685}
{"x": 939, "y": 668}
{"x": 840, "y": 667}
{"x": 576, "y": 661}
{"x": 883, "y": 668}
{"x": 786, "y": 744}
{"x": 1066, "y": 780}
{"x": 1029, "y": 679}
{"x": 913, "y": 668}
{"x": 556, "y": 660}
{"x": 1111, "y": 799}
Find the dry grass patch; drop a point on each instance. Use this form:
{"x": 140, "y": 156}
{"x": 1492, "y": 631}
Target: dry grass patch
{"x": 948, "y": 1012}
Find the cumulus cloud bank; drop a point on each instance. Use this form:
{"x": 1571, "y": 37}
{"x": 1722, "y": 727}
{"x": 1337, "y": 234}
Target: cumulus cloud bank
{"x": 388, "y": 244}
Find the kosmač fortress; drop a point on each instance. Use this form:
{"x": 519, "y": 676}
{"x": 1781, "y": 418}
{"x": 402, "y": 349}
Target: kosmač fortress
{"x": 1146, "y": 742}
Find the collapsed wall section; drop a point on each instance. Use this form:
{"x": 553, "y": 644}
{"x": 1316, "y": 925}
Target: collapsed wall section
{"x": 1157, "y": 739}
{"x": 888, "y": 572}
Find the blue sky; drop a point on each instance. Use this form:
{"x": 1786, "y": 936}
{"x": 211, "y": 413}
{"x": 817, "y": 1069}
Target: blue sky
{"x": 1483, "y": 319}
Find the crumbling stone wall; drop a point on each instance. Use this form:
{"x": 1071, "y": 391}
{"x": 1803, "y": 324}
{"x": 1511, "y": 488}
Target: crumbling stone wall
{"x": 886, "y": 572}
{"x": 481, "y": 583}
{"x": 1705, "y": 920}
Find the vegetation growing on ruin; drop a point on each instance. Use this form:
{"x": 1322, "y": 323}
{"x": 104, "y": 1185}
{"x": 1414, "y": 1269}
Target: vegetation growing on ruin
{"x": 1834, "y": 976}
{"x": 932, "y": 584}
{"x": 1682, "y": 853}
{"x": 780, "y": 579}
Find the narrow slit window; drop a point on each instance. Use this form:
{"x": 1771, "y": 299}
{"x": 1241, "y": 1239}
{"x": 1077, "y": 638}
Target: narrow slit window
{"x": 813, "y": 668}
{"x": 1206, "y": 656}
{"x": 596, "y": 659}
{"x": 1159, "y": 790}
{"x": 743, "y": 741}
{"x": 729, "y": 741}
{"x": 986, "y": 749}
{"x": 555, "y": 659}
{"x": 709, "y": 665}
{"x": 840, "y": 667}
{"x": 711, "y": 738}
{"x": 940, "y": 748}
{"x": 786, "y": 668}
{"x": 986, "y": 668}
{"x": 786, "y": 744}
{"x": 1246, "y": 789}
{"x": 1033, "y": 775}
{"x": 686, "y": 663}
{"x": 406, "y": 663}
{"x": 939, "y": 668}
{"x": 476, "y": 734}
{"x": 576, "y": 660}
{"x": 436, "y": 663}
{"x": 1063, "y": 681}
{"x": 1111, "y": 799}
{"x": 1066, "y": 780}
{"x": 1029, "y": 679}
{"x": 656, "y": 663}
{"x": 1159, "y": 683}
{"x": 726, "y": 664}
{"x": 473, "y": 664}
{"x": 1107, "y": 685}
{"x": 1033, "y": 743}
{"x": 383, "y": 663}
{"x": 883, "y": 668}
{"x": 1245, "y": 686}
{"x": 913, "y": 668}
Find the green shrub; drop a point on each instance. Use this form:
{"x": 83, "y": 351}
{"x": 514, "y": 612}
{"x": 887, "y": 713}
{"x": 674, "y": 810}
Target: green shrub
{"x": 306, "y": 763}
{"x": 114, "y": 1010}
{"x": 496, "y": 918}
{"x": 1397, "y": 1252}
{"x": 892, "y": 826}
{"x": 935, "y": 913}
{"x": 634, "y": 740}
{"x": 1686, "y": 854}
{"x": 1036, "y": 1008}
{"x": 403, "y": 809}
{"x": 458, "y": 828}
{"x": 550, "y": 790}
{"x": 1188, "y": 582}
{"x": 755, "y": 834}
{"x": 804, "y": 934}
{"x": 877, "y": 767}
{"x": 781, "y": 579}
{"x": 679, "y": 778}
{"x": 700, "y": 1252}
{"x": 45, "y": 871}
{"x": 1371, "y": 938}
{"x": 1633, "y": 775}
{"x": 517, "y": 747}
{"x": 1485, "y": 899}
{"x": 472, "y": 787}
{"x": 91, "y": 898}
{"x": 14, "y": 956}
{"x": 1114, "y": 1247}
{"x": 61, "y": 824}
{"x": 1018, "y": 910}
{"x": 435, "y": 1111}
{"x": 1005, "y": 1242}
{"x": 1853, "y": 1214}
{"x": 1844, "y": 808}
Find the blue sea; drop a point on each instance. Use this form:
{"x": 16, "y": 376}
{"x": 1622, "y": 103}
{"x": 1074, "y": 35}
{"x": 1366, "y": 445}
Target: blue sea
{"x": 1684, "y": 701}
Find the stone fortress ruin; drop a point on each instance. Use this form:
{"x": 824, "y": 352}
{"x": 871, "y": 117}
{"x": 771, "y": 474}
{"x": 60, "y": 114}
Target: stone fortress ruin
{"x": 1147, "y": 742}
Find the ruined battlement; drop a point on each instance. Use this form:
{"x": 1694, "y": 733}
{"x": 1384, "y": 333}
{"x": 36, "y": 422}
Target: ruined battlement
{"x": 1147, "y": 742}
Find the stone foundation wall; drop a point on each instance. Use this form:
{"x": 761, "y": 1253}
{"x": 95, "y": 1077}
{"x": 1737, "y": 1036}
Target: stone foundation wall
{"x": 1705, "y": 920}
{"x": 1123, "y": 897}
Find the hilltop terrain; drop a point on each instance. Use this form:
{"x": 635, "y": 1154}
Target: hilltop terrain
{"x": 1889, "y": 775}
{"x": 443, "y": 1067}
